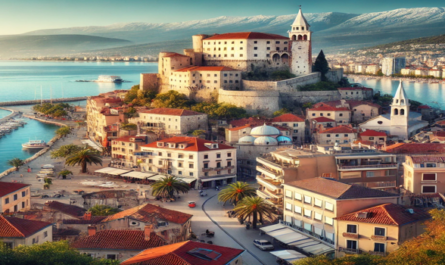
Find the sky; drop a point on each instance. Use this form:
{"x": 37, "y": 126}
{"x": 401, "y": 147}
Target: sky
{"x": 21, "y": 16}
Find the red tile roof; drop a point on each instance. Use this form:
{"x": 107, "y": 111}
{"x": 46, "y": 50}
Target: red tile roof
{"x": 17, "y": 227}
{"x": 416, "y": 148}
{"x": 193, "y": 144}
{"x": 328, "y": 108}
{"x": 177, "y": 254}
{"x": 372, "y": 133}
{"x": 173, "y": 112}
{"x": 338, "y": 190}
{"x": 323, "y": 119}
{"x": 387, "y": 214}
{"x": 288, "y": 117}
{"x": 240, "y": 127}
{"x": 206, "y": 68}
{"x": 118, "y": 239}
{"x": 423, "y": 159}
{"x": 72, "y": 210}
{"x": 340, "y": 129}
{"x": 94, "y": 220}
{"x": 174, "y": 54}
{"x": 10, "y": 187}
{"x": 246, "y": 35}
{"x": 149, "y": 213}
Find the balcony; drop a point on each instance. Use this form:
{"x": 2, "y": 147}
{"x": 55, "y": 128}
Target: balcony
{"x": 207, "y": 169}
{"x": 375, "y": 166}
{"x": 275, "y": 164}
{"x": 351, "y": 235}
{"x": 269, "y": 183}
{"x": 379, "y": 238}
{"x": 350, "y": 250}
{"x": 267, "y": 172}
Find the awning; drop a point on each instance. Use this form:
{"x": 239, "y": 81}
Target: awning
{"x": 157, "y": 177}
{"x": 288, "y": 255}
{"x": 137, "y": 175}
{"x": 290, "y": 238}
{"x": 318, "y": 249}
{"x": 105, "y": 170}
{"x": 217, "y": 178}
{"x": 271, "y": 228}
{"x": 118, "y": 172}
{"x": 187, "y": 180}
{"x": 280, "y": 232}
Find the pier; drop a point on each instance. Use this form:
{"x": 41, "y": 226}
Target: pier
{"x": 37, "y": 101}
{"x": 10, "y": 116}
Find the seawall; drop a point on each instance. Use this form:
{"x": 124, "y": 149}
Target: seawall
{"x": 37, "y": 101}
{"x": 12, "y": 115}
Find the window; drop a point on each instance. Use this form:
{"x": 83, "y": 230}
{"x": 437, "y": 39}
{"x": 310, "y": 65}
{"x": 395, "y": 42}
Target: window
{"x": 255, "y": 48}
{"x": 297, "y": 209}
{"x": 180, "y": 164}
{"x": 351, "y": 229}
{"x": 318, "y": 203}
{"x": 351, "y": 244}
{"x": 430, "y": 164}
{"x": 229, "y": 154}
{"x": 328, "y": 135}
{"x": 370, "y": 174}
{"x": 308, "y": 199}
{"x": 341, "y": 115}
{"x": 179, "y": 172}
{"x": 255, "y": 55}
{"x": 191, "y": 174}
{"x": 190, "y": 156}
{"x": 206, "y": 165}
{"x": 308, "y": 213}
{"x": 288, "y": 206}
{"x": 288, "y": 194}
{"x": 428, "y": 189}
{"x": 378, "y": 231}
{"x": 160, "y": 154}
{"x": 277, "y": 42}
{"x": 295, "y": 131}
{"x": 317, "y": 216}
{"x": 218, "y": 155}
{"x": 427, "y": 177}
{"x": 379, "y": 247}
{"x": 45, "y": 234}
{"x": 328, "y": 220}
{"x": 206, "y": 156}
{"x": 255, "y": 42}
{"x": 6, "y": 200}
{"x": 15, "y": 197}
{"x": 308, "y": 227}
{"x": 111, "y": 256}
{"x": 337, "y": 135}
{"x": 23, "y": 193}
{"x": 297, "y": 196}
{"x": 8, "y": 245}
{"x": 329, "y": 206}
{"x": 190, "y": 165}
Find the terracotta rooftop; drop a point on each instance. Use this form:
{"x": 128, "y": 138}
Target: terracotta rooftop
{"x": 323, "y": 119}
{"x": 172, "y": 112}
{"x": 71, "y": 210}
{"x": 151, "y": 213}
{"x": 17, "y": 227}
{"x": 387, "y": 214}
{"x": 118, "y": 239}
{"x": 93, "y": 220}
{"x": 338, "y": 190}
{"x": 428, "y": 158}
{"x": 340, "y": 129}
{"x": 288, "y": 117}
{"x": 206, "y": 68}
{"x": 372, "y": 133}
{"x": 193, "y": 144}
{"x": 416, "y": 148}
{"x": 179, "y": 254}
{"x": 10, "y": 187}
{"x": 246, "y": 35}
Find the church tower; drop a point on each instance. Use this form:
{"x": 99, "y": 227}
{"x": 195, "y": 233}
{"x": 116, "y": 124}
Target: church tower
{"x": 400, "y": 113}
{"x": 301, "y": 45}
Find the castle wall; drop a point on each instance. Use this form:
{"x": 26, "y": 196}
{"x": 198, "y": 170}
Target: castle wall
{"x": 148, "y": 82}
{"x": 309, "y": 96}
{"x": 266, "y": 102}
{"x": 284, "y": 86}
{"x": 248, "y": 66}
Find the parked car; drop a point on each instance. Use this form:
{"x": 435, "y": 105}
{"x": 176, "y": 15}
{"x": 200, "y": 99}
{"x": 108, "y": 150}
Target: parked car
{"x": 263, "y": 244}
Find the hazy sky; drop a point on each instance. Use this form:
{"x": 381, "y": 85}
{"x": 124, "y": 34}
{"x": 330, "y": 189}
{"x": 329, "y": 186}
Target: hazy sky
{"x": 20, "y": 16}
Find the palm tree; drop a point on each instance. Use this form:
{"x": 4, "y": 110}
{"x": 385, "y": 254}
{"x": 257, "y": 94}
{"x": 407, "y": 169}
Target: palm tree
{"x": 84, "y": 157}
{"x": 65, "y": 173}
{"x": 65, "y": 151}
{"x": 236, "y": 192}
{"x": 256, "y": 207}
{"x": 16, "y": 162}
{"x": 63, "y": 131}
{"x": 103, "y": 210}
{"x": 167, "y": 186}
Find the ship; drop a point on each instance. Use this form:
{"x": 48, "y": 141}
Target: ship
{"x": 109, "y": 79}
{"x": 34, "y": 144}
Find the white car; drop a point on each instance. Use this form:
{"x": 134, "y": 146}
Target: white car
{"x": 263, "y": 244}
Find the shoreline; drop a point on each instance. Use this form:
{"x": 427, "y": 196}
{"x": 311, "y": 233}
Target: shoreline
{"x": 414, "y": 79}
{"x": 82, "y": 61}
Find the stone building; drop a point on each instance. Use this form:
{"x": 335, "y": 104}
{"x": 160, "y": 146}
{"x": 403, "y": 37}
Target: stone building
{"x": 14, "y": 197}
{"x": 16, "y": 231}
{"x": 114, "y": 198}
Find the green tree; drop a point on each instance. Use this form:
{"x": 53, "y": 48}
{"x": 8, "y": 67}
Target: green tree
{"x": 254, "y": 207}
{"x": 63, "y": 131}
{"x": 65, "y": 151}
{"x": 235, "y": 192}
{"x": 280, "y": 112}
{"x": 16, "y": 162}
{"x": 198, "y": 132}
{"x": 48, "y": 253}
{"x": 364, "y": 259}
{"x": 83, "y": 158}
{"x": 308, "y": 105}
{"x": 320, "y": 86}
{"x": 103, "y": 210}
{"x": 129, "y": 126}
{"x": 65, "y": 173}
{"x": 168, "y": 186}
{"x": 321, "y": 65}
{"x": 59, "y": 113}
{"x": 172, "y": 99}
{"x": 379, "y": 72}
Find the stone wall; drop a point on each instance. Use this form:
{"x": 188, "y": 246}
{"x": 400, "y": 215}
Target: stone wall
{"x": 255, "y": 102}
{"x": 148, "y": 82}
{"x": 301, "y": 97}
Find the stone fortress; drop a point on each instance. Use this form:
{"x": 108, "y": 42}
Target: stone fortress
{"x": 216, "y": 65}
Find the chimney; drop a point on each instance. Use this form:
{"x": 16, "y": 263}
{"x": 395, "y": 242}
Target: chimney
{"x": 92, "y": 230}
{"x": 87, "y": 216}
{"x": 147, "y": 232}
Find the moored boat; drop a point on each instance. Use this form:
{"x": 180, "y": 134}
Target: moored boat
{"x": 35, "y": 144}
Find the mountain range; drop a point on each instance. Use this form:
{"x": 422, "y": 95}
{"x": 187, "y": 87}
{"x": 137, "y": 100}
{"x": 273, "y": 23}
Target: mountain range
{"x": 332, "y": 31}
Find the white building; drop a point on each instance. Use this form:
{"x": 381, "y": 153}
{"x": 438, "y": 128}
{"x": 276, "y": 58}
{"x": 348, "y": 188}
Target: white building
{"x": 400, "y": 122}
{"x": 392, "y": 65}
{"x": 211, "y": 164}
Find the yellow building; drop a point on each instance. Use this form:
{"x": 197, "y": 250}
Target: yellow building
{"x": 378, "y": 230}
{"x": 123, "y": 148}
{"x": 424, "y": 174}
{"x": 14, "y": 197}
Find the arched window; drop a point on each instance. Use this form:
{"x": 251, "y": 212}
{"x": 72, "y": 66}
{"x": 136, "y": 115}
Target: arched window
{"x": 276, "y": 57}
{"x": 397, "y": 101}
{"x": 298, "y": 28}
{"x": 402, "y": 101}
{"x": 305, "y": 37}
{"x": 396, "y": 112}
{"x": 300, "y": 37}
{"x": 402, "y": 112}
{"x": 294, "y": 37}
{"x": 284, "y": 58}
{"x": 302, "y": 28}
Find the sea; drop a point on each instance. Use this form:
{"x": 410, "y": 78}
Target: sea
{"x": 26, "y": 80}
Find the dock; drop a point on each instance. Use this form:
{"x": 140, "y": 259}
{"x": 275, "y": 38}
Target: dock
{"x": 37, "y": 101}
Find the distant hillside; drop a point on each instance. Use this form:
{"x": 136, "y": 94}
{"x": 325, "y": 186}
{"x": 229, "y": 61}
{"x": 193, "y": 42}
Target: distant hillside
{"x": 21, "y": 46}
{"x": 424, "y": 40}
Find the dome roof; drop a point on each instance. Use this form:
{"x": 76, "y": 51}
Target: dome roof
{"x": 264, "y": 130}
{"x": 284, "y": 139}
{"x": 265, "y": 140}
{"x": 246, "y": 140}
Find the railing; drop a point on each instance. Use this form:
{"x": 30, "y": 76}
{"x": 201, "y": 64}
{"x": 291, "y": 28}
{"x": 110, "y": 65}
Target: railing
{"x": 367, "y": 166}
{"x": 267, "y": 171}
{"x": 349, "y": 250}
{"x": 378, "y": 253}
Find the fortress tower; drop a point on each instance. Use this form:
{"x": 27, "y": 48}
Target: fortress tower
{"x": 301, "y": 45}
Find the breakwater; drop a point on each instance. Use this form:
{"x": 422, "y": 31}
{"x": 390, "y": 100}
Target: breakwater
{"x": 38, "y": 101}
{"x": 12, "y": 115}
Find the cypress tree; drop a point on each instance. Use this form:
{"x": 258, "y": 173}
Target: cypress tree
{"x": 321, "y": 65}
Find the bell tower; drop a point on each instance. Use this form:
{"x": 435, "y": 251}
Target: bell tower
{"x": 301, "y": 45}
{"x": 400, "y": 113}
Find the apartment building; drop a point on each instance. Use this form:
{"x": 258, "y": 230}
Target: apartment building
{"x": 372, "y": 136}
{"x": 311, "y": 205}
{"x": 14, "y": 197}
{"x": 123, "y": 148}
{"x": 341, "y": 115}
{"x": 211, "y": 164}
{"x": 17, "y": 231}
{"x": 369, "y": 169}
{"x": 378, "y": 230}
{"x": 206, "y": 77}
{"x": 170, "y": 121}
{"x": 339, "y": 134}
{"x": 424, "y": 174}
{"x": 296, "y": 125}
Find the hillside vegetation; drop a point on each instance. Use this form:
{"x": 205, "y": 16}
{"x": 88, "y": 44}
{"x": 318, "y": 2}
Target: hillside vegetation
{"x": 425, "y": 40}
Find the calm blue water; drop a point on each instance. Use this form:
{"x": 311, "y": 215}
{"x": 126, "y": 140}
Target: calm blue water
{"x": 430, "y": 94}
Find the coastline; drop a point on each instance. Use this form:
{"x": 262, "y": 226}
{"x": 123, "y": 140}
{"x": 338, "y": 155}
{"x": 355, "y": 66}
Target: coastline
{"x": 410, "y": 79}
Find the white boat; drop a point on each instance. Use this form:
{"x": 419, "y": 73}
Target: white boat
{"x": 109, "y": 79}
{"x": 35, "y": 144}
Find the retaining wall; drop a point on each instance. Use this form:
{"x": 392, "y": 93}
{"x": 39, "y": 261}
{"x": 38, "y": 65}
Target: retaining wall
{"x": 255, "y": 102}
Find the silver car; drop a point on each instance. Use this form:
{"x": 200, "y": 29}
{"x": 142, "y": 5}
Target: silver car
{"x": 263, "y": 244}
